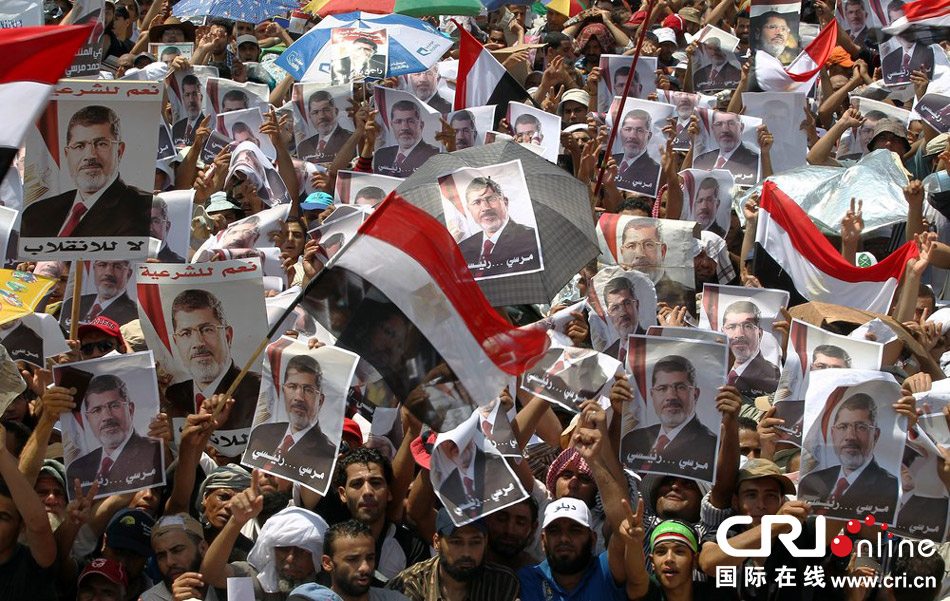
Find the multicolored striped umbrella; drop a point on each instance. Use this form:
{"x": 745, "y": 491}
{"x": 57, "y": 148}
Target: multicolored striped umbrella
{"x": 412, "y": 8}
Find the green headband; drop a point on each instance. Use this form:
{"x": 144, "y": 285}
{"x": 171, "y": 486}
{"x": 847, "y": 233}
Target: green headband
{"x": 673, "y": 531}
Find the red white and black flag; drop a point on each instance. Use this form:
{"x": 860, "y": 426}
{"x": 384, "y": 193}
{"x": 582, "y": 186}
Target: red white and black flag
{"x": 34, "y": 58}
{"x": 929, "y": 13}
{"x": 482, "y": 80}
{"x": 791, "y": 254}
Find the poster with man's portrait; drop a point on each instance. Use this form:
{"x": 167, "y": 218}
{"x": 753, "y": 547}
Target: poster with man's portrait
{"x": 637, "y": 146}
{"x": 934, "y": 109}
{"x": 358, "y": 54}
{"x": 469, "y": 476}
{"x": 321, "y": 121}
{"x": 531, "y": 126}
{"x": 853, "y": 444}
{"x": 186, "y": 94}
{"x": 366, "y": 189}
{"x": 494, "y": 420}
{"x": 623, "y": 303}
{"x": 790, "y": 432}
{"x": 260, "y": 176}
{"x": 730, "y": 142}
{"x": 689, "y": 333}
{"x": 257, "y": 232}
{"x": 661, "y": 249}
{"x": 671, "y": 426}
{"x": 299, "y": 419}
{"x": 170, "y": 225}
{"x": 33, "y": 339}
{"x": 471, "y": 125}
{"x": 568, "y": 376}
{"x": 225, "y": 95}
{"x": 716, "y": 65}
{"x": 811, "y": 348}
{"x": 686, "y": 105}
{"x": 105, "y": 438}
{"x": 614, "y": 71}
{"x": 774, "y": 28}
{"x": 107, "y": 290}
{"x": 488, "y": 211}
{"x": 707, "y": 199}
{"x": 745, "y": 316}
{"x": 782, "y": 113}
{"x": 244, "y": 126}
{"x": 410, "y": 127}
{"x": 430, "y": 87}
{"x": 338, "y": 229}
{"x": 88, "y": 59}
{"x": 203, "y": 322}
{"x": 904, "y": 53}
{"x": 91, "y": 170}
{"x": 167, "y": 53}
{"x": 922, "y": 508}
{"x": 857, "y": 18}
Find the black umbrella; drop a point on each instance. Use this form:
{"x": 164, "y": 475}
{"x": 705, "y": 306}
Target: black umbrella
{"x": 561, "y": 207}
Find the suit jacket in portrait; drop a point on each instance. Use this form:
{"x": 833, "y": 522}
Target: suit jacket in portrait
{"x": 24, "y": 344}
{"x": 139, "y": 457}
{"x": 875, "y": 487}
{"x": 726, "y": 79}
{"x": 167, "y": 255}
{"x": 694, "y": 442}
{"x": 122, "y": 210}
{"x": 384, "y": 160}
{"x": 515, "y": 242}
{"x": 181, "y": 137}
{"x": 759, "y": 378}
{"x": 375, "y": 68}
{"x": 675, "y": 294}
{"x": 489, "y": 473}
{"x": 716, "y": 229}
{"x": 924, "y": 517}
{"x": 308, "y": 148}
{"x": 122, "y": 310}
{"x": 180, "y": 398}
{"x": 922, "y": 59}
{"x": 313, "y": 450}
{"x": 585, "y": 377}
{"x": 743, "y": 164}
{"x": 640, "y": 177}
{"x": 440, "y": 104}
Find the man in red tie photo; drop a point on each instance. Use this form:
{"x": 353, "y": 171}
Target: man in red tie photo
{"x": 752, "y": 374}
{"x": 732, "y": 155}
{"x": 908, "y": 56}
{"x": 323, "y": 115}
{"x": 101, "y": 204}
{"x": 636, "y": 169}
{"x": 111, "y": 298}
{"x": 679, "y": 444}
{"x": 410, "y": 150}
{"x": 124, "y": 460}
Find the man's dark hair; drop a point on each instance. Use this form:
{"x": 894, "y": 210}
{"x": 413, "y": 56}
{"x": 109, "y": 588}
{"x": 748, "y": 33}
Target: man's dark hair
{"x": 710, "y": 183}
{"x": 742, "y": 14}
{"x": 224, "y": 71}
{"x": 367, "y": 41}
{"x": 190, "y": 80}
{"x": 20, "y": 434}
{"x": 917, "y": 566}
{"x": 830, "y": 350}
{"x": 895, "y": 5}
{"x": 241, "y": 127}
{"x": 675, "y": 364}
{"x": 226, "y": 23}
{"x": 4, "y": 489}
{"x": 747, "y": 423}
{"x": 875, "y": 115}
{"x": 463, "y": 115}
{"x": 554, "y": 39}
{"x": 743, "y": 306}
{"x": 94, "y": 115}
{"x": 347, "y": 529}
{"x": 640, "y": 115}
{"x": 363, "y": 456}
{"x": 637, "y": 203}
{"x": 121, "y": 11}
{"x": 528, "y": 118}
{"x": 234, "y": 95}
{"x": 194, "y": 300}
{"x": 618, "y": 285}
{"x": 371, "y": 193}
{"x": 405, "y": 106}
{"x": 320, "y": 96}
{"x": 305, "y": 364}
{"x": 105, "y": 383}
{"x": 171, "y": 50}
{"x": 860, "y": 402}
{"x": 771, "y": 14}
{"x": 925, "y": 291}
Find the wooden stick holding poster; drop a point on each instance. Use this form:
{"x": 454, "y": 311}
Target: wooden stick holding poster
{"x": 77, "y": 293}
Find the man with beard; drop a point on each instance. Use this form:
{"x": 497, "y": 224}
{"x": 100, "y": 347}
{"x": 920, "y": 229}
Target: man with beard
{"x": 571, "y": 570}
{"x": 159, "y": 227}
{"x": 324, "y": 117}
{"x": 111, "y": 298}
{"x": 706, "y": 206}
{"x": 300, "y": 441}
{"x": 858, "y": 479}
{"x": 203, "y": 337}
{"x": 179, "y": 546}
{"x": 623, "y": 308}
{"x": 642, "y": 248}
{"x": 349, "y": 557}
{"x": 719, "y": 74}
{"x": 101, "y": 204}
{"x": 857, "y": 18}
{"x": 241, "y": 235}
{"x": 183, "y": 130}
{"x": 510, "y": 531}
{"x": 829, "y": 356}
{"x": 774, "y": 34}
{"x": 685, "y": 108}
{"x": 732, "y": 155}
{"x": 527, "y": 129}
{"x": 466, "y": 132}
{"x": 620, "y": 80}
{"x": 679, "y": 436}
{"x": 459, "y": 569}
{"x": 124, "y": 459}
{"x": 751, "y": 373}
{"x": 636, "y": 169}
{"x": 425, "y": 86}
{"x": 410, "y": 151}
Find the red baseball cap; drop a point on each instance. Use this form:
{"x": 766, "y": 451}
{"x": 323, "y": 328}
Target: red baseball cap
{"x": 421, "y": 448}
{"x": 352, "y": 428}
{"x": 104, "y": 325}
{"x": 674, "y": 22}
{"x": 109, "y": 568}
{"x": 636, "y": 18}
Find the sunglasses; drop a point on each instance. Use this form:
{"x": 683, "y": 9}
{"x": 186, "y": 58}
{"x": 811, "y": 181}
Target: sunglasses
{"x": 103, "y": 346}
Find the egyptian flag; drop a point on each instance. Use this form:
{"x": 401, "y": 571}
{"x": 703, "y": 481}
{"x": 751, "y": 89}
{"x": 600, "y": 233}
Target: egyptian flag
{"x": 801, "y": 74}
{"x": 34, "y": 58}
{"x": 401, "y": 296}
{"x": 482, "y": 80}
{"x": 929, "y": 13}
{"x": 791, "y": 254}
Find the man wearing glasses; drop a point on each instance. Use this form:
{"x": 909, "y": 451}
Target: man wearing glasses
{"x": 330, "y": 136}
{"x": 858, "y": 479}
{"x": 636, "y": 169}
{"x": 111, "y": 298}
{"x": 125, "y": 460}
{"x": 288, "y": 446}
{"x": 751, "y": 373}
{"x": 623, "y": 308}
{"x": 776, "y": 37}
{"x": 679, "y": 443}
{"x": 466, "y": 134}
{"x": 101, "y": 204}
{"x": 642, "y": 248}
{"x": 503, "y": 246}
{"x": 203, "y": 338}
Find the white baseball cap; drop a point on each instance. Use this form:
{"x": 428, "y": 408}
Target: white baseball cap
{"x": 665, "y": 34}
{"x": 567, "y": 507}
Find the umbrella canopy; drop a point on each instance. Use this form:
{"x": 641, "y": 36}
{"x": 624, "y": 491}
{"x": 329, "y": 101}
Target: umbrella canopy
{"x": 413, "y": 8}
{"x": 248, "y": 11}
{"x": 414, "y": 45}
{"x": 561, "y": 208}
{"x": 20, "y": 292}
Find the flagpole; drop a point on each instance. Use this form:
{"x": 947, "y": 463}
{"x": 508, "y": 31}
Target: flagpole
{"x": 77, "y": 293}
{"x": 623, "y": 98}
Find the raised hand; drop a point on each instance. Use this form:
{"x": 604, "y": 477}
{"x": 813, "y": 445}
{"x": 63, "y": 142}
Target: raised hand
{"x": 631, "y": 530}
{"x": 852, "y": 224}
{"x": 79, "y": 510}
{"x": 248, "y": 504}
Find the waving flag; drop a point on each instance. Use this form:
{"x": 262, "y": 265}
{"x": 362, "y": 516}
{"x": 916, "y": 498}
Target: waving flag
{"x": 801, "y": 74}
{"x": 791, "y": 253}
{"x": 34, "y": 59}
{"x": 482, "y": 80}
{"x": 930, "y": 13}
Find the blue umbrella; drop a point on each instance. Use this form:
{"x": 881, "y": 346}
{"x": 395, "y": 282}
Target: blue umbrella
{"x": 249, "y": 11}
{"x": 413, "y": 45}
